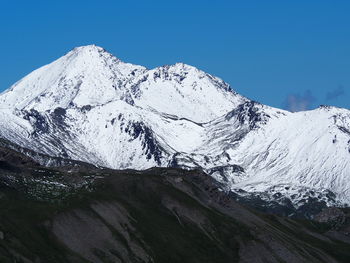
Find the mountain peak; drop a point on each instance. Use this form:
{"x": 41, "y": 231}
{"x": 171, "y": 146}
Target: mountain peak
{"x": 87, "y": 75}
{"x": 89, "y": 47}
{"x": 91, "y": 53}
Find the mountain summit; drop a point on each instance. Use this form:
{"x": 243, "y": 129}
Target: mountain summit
{"x": 90, "y": 76}
{"x": 90, "y": 106}
{"x": 85, "y": 76}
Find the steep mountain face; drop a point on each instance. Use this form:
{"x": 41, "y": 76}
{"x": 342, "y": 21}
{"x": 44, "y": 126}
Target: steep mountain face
{"x": 288, "y": 154}
{"x": 90, "y": 76}
{"x": 80, "y": 213}
{"x": 90, "y": 106}
{"x": 118, "y": 115}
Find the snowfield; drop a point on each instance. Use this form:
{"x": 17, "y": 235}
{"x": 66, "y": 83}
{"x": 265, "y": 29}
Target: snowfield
{"x": 90, "y": 106}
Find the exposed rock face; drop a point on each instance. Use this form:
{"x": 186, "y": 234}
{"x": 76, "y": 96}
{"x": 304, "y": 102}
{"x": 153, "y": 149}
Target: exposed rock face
{"x": 331, "y": 215}
{"x": 337, "y": 222}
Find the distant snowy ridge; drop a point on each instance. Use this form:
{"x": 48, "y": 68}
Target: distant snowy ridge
{"x": 90, "y": 106}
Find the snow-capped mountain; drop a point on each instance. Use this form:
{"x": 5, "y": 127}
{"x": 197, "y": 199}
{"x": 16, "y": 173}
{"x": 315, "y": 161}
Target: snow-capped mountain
{"x": 90, "y": 106}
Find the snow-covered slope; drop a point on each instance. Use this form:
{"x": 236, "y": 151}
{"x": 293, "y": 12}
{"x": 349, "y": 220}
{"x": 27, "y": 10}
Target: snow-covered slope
{"x": 90, "y": 106}
{"x": 85, "y": 76}
{"x": 281, "y": 150}
{"x": 90, "y": 76}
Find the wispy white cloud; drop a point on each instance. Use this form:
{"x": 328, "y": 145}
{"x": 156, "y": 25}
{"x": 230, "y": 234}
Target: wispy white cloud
{"x": 299, "y": 102}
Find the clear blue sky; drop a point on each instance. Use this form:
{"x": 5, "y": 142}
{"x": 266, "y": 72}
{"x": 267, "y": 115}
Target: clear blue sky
{"x": 275, "y": 52}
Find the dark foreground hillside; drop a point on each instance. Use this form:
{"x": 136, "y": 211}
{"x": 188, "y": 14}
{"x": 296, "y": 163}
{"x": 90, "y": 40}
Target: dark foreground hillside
{"x": 79, "y": 213}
